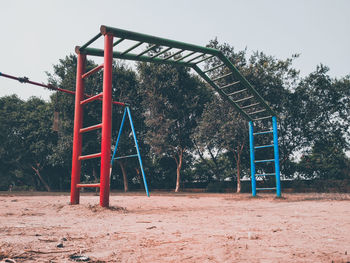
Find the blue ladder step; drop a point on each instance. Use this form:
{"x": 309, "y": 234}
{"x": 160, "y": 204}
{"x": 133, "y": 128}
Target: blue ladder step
{"x": 265, "y": 174}
{"x": 127, "y": 156}
{"x": 264, "y": 161}
{"x": 263, "y": 118}
{"x": 267, "y": 188}
{"x": 263, "y": 132}
{"x": 263, "y": 146}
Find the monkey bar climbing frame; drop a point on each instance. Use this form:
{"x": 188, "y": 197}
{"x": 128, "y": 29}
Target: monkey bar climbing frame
{"x": 223, "y": 77}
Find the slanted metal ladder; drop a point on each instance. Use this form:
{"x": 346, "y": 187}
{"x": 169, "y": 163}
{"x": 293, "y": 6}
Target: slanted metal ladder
{"x": 233, "y": 87}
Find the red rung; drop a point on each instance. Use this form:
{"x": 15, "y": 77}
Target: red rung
{"x": 89, "y": 156}
{"x": 92, "y": 71}
{"x": 114, "y": 102}
{"x": 118, "y": 103}
{"x": 91, "y": 128}
{"x": 88, "y": 185}
{"x": 96, "y": 97}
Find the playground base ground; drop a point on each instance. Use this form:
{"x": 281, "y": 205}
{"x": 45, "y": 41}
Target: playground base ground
{"x": 170, "y": 227}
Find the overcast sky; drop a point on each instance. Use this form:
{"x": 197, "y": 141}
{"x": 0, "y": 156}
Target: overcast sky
{"x": 35, "y": 34}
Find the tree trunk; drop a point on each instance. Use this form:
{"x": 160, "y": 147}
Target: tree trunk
{"x": 237, "y": 156}
{"x": 238, "y": 173}
{"x": 178, "y": 169}
{"x": 125, "y": 176}
{"x": 35, "y": 181}
{"x": 214, "y": 159}
{"x": 211, "y": 172}
{"x": 37, "y": 172}
{"x": 61, "y": 183}
{"x": 138, "y": 174}
{"x": 96, "y": 179}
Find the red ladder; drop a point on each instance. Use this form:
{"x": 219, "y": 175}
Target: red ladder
{"x": 106, "y": 125}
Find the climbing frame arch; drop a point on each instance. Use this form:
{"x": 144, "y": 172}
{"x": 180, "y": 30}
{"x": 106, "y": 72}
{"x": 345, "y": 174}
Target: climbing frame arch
{"x": 231, "y": 85}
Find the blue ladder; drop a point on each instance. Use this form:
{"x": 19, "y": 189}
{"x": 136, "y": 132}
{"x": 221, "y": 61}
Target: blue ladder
{"x": 138, "y": 155}
{"x": 253, "y": 162}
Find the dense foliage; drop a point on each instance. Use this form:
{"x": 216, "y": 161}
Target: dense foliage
{"x": 187, "y": 134}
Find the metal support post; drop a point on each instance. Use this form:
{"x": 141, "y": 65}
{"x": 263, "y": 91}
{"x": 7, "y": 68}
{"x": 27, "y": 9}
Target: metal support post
{"x": 252, "y": 157}
{"x": 77, "y": 137}
{"x": 106, "y": 121}
{"x": 276, "y": 155}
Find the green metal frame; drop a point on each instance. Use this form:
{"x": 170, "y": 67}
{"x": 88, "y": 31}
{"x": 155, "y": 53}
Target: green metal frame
{"x": 195, "y": 55}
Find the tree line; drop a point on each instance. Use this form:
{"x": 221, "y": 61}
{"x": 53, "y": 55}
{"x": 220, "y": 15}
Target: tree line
{"x": 186, "y": 132}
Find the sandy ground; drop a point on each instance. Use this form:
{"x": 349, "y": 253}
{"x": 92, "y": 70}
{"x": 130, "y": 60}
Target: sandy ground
{"x": 176, "y": 228}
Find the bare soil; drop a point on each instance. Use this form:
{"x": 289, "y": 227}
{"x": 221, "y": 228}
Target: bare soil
{"x": 176, "y": 228}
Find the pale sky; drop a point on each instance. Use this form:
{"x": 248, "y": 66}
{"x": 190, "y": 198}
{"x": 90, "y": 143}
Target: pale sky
{"x": 35, "y": 34}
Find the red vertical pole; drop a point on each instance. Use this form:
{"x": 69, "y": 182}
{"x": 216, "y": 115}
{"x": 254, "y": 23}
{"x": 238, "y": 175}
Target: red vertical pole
{"x": 77, "y": 137}
{"x": 106, "y": 121}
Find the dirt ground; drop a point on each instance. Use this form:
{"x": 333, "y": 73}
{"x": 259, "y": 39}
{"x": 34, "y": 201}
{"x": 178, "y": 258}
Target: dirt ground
{"x": 176, "y": 228}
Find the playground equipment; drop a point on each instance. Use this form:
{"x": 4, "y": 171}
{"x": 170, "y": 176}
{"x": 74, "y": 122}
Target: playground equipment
{"x": 231, "y": 85}
{"x": 223, "y": 77}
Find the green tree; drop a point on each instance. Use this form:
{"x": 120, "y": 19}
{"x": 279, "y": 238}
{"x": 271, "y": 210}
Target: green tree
{"x": 324, "y": 109}
{"x": 326, "y": 160}
{"x": 27, "y": 141}
{"x": 223, "y": 131}
{"x": 11, "y": 109}
{"x": 38, "y": 138}
{"x": 173, "y": 102}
